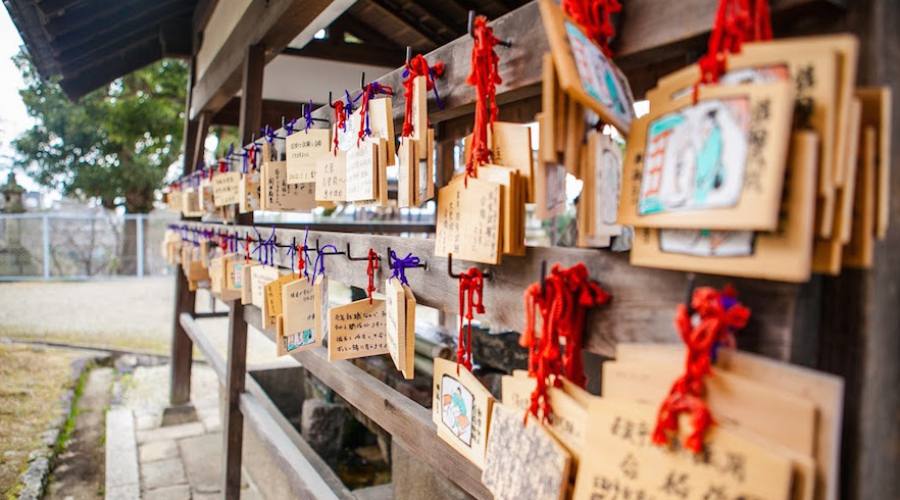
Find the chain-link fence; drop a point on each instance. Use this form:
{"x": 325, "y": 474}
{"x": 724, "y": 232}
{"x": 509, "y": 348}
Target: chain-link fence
{"x": 56, "y": 245}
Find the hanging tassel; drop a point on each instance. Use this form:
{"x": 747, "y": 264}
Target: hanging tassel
{"x": 370, "y": 91}
{"x": 415, "y": 67}
{"x": 340, "y": 122}
{"x": 484, "y": 77}
{"x": 720, "y": 315}
{"x": 471, "y": 288}
{"x": 595, "y": 18}
{"x": 371, "y": 267}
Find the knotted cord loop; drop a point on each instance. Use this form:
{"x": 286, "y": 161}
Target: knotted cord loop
{"x": 484, "y": 77}
{"x": 471, "y": 292}
{"x": 416, "y": 67}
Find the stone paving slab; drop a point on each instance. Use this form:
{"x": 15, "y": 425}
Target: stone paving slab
{"x": 122, "y": 479}
{"x": 179, "y": 492}
{"x": 170, "y": 433}
{"x": 157, "y": 450}
{"x": 162, "y": 473}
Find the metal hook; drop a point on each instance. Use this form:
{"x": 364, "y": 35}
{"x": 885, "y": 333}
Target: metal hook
{"x": 423, "y": 265}
{"x": 543, "y": 277}
{"x": 408, "y": 54}
{"x": 330, "y": 102}
{"x": 362, "y": 81}
{"x": 485, "y": 274}
{"x": 320, "y": 252}
{"x": 471, "y": 22}
{"x": 692, "y": 278}
{"x": 351, "y": 257}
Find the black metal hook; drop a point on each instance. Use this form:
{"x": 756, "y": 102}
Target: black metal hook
{"x": 362, "y": 81}
{"x": 689, "y": 292}
{"x": 320, "y": 252}
{"x": 351, "y": 257}
{"x": 408, "y": 54}
{"x": 471, "y": 21}
{"x": 486, "y": 274}
{"x": 543, "y": 278}
{"x": 330, "y": 102}
{"x": 423, "y": 265}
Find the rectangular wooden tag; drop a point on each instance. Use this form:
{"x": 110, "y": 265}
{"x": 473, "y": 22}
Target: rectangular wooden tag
{"x": 585, "y": 73}
{"x": 304, "y": 150}
{"x": 606, "y": 171}
{"x": 732, "y": 464}
{"x": 362, "y": 163}
{"x": 381, "y": 124}
{"x": 511, "y": 147}
{"x": 407, "y": 165}
{"x": 395, "y": 309}
{"x": 331, "y": 172}
{"x": 523, "y": 461}
{"x": 190, "y": 203}
{"x": 409, "y": 370}
{"x": 226, "y": 188}
{"x": 357, "y": 329}
{"x": 420, "y": 111}
{"x": 569, "y": 421}
{"x": 272, "y": 306}
{"x": 277, "y": 194}
{"x": 783, "y": 255}
{"x": 717, "y": 164}
{"x": 876, "y": 112}
{"x": 461, "y": 409}
{"x": 300, "y": 326}
{"x": 260, "y": 276}
{"x": 547, "y": 149}
{"x": 860, "y": 250}
{"x": 468, "y": 220}
{"x": 249, "y": 192}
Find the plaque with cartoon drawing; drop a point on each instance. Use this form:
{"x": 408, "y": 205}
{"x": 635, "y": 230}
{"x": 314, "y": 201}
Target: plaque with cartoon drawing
{"x": 715, "y": 164}
{"x": 461, "y": 410}
{"x": 784, "y": 255}
{"x": 585, "y": 73}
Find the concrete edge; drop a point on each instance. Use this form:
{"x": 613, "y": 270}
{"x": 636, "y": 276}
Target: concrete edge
{"x": 122, "y": 475}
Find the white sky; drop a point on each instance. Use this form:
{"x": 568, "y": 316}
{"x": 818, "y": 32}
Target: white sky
{"x": 13, "y": 118}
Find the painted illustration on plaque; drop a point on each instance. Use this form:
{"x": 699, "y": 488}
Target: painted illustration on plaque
{"x": 456, "y": 409}
{"x": 705, "y": 243}
{"x": 599, "y": 78}
{"x": 301, "y": 339}
{"x": 695, "y": 157}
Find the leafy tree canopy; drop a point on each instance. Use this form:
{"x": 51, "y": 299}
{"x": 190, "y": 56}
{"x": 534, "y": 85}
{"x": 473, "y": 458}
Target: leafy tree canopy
{"x": 115, "y": 144}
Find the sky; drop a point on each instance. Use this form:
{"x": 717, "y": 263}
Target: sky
{"x": 13, "y": 118}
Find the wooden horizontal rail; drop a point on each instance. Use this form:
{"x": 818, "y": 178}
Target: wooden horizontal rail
{"x": 217, "y": 362}
{"x": 642, "y": 308}
{"x": 648, "y": 27}
{"x": 408, "y": 423}
{"x": 300, "y": 463}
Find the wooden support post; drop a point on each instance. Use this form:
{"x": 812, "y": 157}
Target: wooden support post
{"x": 182, "y": 347}
{"x": 199, "y": 151}
{"x": 251, "y": 92}
{"x": 233, "y": 425}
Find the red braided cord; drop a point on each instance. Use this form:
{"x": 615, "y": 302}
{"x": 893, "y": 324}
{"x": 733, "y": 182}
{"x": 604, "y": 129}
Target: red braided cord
{"x": 484, "y": 77}
{"x": 340, "y": 122}
{"x": 718, "y": 320}
{"x": 595, "y": 18}
{"x": 563, "y": 304}
{"x": 370, "y": 271}
{"x": 301, "y": 262}
{"x": 368, "y": 93}
{"x": 417, "y": 66}
{"x": 471, "y": 289}
{"x": 247, "y": 248}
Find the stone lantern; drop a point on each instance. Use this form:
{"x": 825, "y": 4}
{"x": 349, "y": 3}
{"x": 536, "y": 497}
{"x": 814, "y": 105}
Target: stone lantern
{"x": 15, "y": 259}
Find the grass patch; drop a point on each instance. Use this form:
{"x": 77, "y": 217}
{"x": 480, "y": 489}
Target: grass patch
{"x": 65, "y": 435}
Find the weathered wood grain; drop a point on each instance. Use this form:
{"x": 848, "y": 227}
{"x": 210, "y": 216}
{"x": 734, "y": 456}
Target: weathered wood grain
{"x": 182, "y": 346}
{"x": 642, "y": 308}
{"x": 233, "y": 421}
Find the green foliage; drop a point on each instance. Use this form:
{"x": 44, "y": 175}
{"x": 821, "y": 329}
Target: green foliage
{"x": 114, "y": 145}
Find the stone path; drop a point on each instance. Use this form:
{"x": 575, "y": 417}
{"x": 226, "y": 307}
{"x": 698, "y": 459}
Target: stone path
{"x": 178, "y": 461}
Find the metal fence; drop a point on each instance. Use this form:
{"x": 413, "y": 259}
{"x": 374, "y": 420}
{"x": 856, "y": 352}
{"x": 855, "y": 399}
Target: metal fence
{"x": 77, "y": 246}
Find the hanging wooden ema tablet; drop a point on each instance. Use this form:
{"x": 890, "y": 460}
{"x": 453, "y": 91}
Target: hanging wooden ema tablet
{"x": 331, "y": 175}
{"x": 599, "y": 202}
{"x": 361, "y": 168}
{"x": 461, "y": 410}
{"x": 585, "y": 69}
{"x": 276, "y": 193}
{"x": 512, "y": 196}
{"x": 400, "y": 304}
{"x": 416, "y": 165}
{"x": 859, "y": 251}
{"x": 272, "y": 301}
{"x": 876, "y": 113}
{"x": 226, "y": 186}
{"x": 301, "y": 324}
{"x": 304, "y": 150}
{"x": 784, "y": 254}
{"x": 469, "y": 209}
{"x": 716, "y": 164}
{"x": 549, "y": 183}
{"x": 523, "y": 462}
{"x": 813, "y": 70}
{"x": 357, "y": 330}
{"x": 229, "y": 293}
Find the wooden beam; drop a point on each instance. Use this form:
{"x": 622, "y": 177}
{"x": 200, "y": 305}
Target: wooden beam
{"x": 199, "y": 152}
{"x": 251, "y": 92}
{"x": 634, "y": 313}
{"x": 87, "y": 18}
{"x": 273, "y": 111}
{"x": 393, "y": 27}
{"x": 408, "y": 423}
{"x": 273, "y": 23}
{"x": 364, "y": 53}
{"x": 52, "y": 8}
{"x": 233, "y": 423}
{"x": 202, "y": 13}
{"x": 104, "y": 71}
